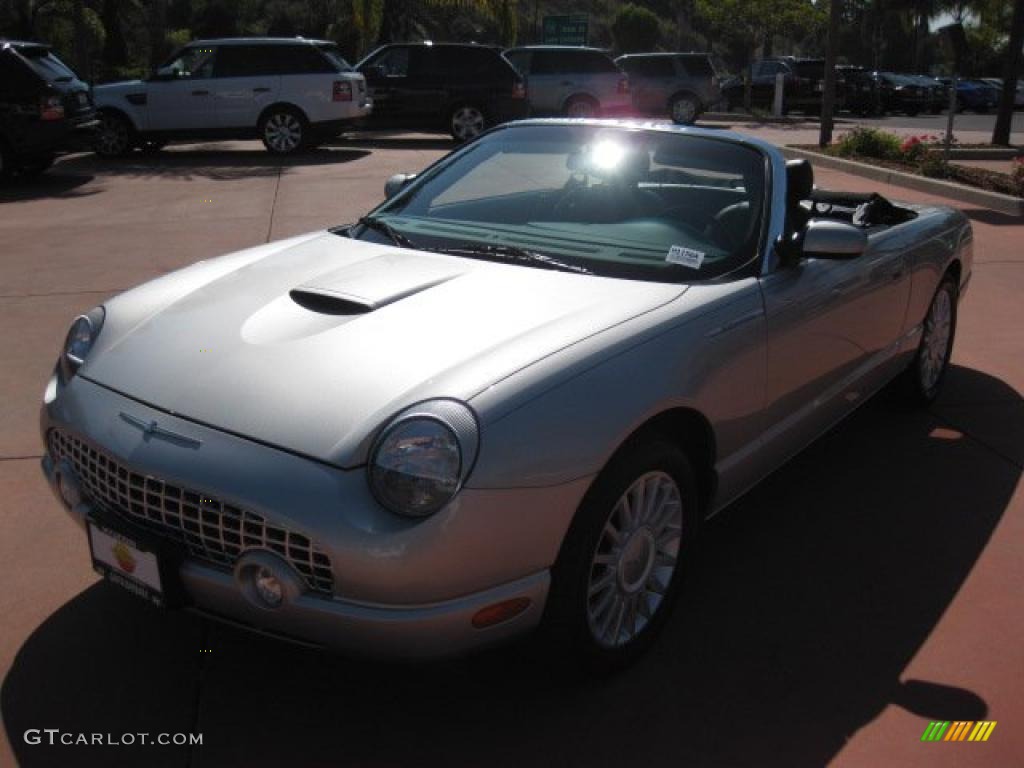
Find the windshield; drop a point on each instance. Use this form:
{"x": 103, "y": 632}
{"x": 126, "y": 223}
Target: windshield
{"x": 45, "y": 64}
{"x": 641, "y": 205}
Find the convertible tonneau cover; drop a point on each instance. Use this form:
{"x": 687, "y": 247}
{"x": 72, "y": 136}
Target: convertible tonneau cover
{"x": 870, "y": 209}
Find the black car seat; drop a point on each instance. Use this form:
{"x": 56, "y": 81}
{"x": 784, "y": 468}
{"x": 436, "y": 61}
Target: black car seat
{"x": 799, "y": 186}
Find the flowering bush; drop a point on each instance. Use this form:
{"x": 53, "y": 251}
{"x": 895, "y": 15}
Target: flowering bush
{"x": 914, "y": 148}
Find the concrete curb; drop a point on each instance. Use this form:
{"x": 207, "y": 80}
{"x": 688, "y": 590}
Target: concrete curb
{"x": 743, "y": 117}
{"x": 984, "y": 154}
{"x": 1011, "y": 206}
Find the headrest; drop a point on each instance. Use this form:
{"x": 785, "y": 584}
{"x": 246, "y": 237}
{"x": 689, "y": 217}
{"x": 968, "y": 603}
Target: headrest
{"x": 799, "y": 181}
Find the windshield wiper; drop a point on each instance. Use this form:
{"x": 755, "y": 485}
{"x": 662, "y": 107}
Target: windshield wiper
{"x": 379, "y": 225}
{"x": 512, "y": 253}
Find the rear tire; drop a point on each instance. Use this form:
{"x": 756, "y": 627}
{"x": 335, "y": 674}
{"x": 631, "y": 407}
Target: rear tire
{"x": 582, "y": 107}
{"x": 466, "y": 122}
{"x": 284, "y": 131}
{"x": 621, "y": 562}
{"x": 684, "y": 109}
{"x": 116, "y": 136}
{"x": 923, "y": 378}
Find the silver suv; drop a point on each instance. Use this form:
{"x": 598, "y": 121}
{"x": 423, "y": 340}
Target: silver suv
{"x": 680, "y": 85}
{"x": 578, "y": 82}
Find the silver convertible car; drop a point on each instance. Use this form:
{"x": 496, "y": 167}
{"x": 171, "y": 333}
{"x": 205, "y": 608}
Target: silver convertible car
{"x": 505, "y": 399}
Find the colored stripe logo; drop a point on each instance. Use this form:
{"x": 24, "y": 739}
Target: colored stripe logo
{"x": 959, "y": 730}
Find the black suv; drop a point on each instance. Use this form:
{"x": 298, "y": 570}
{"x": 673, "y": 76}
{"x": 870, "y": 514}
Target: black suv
{"x": 44, "y": 108}
{"x": 463, "y": 89}
{"x": 803, "y": 88}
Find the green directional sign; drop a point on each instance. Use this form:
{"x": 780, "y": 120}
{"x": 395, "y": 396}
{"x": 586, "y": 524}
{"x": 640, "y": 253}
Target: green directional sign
{"x": 570, "y": 29}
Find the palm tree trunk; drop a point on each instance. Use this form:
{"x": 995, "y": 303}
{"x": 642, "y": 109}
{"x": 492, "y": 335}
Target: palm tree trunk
{"x": 1004, "y": 120}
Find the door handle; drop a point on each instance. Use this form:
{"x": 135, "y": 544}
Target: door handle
{"x": 200, "y": 93}
{"x": 261, "y": 90}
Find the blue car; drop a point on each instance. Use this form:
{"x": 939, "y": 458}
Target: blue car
{"x": 976, "y": 95}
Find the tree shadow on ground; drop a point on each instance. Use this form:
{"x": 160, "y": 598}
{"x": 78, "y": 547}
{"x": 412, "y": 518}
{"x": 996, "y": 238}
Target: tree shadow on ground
{"x": 801, "y": 609}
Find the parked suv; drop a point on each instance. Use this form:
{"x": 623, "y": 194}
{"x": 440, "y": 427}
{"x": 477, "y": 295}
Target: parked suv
{"x": 681, "y": 85}
{"x": 578, "y": 82}
{"x": 804, "y": 85}
{"x": 290, "y": 92}
{"x": 44, "y": 108}
{"x": 460, "y": 88}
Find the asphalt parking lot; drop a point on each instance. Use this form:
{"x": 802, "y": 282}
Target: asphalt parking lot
{"x": 872, "y": 585}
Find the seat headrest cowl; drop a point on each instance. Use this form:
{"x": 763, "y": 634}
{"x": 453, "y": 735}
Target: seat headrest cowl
{"x": 799, "y": 181}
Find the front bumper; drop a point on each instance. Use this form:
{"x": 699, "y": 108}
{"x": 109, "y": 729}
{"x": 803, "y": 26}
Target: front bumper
{"x": 401, "y": 588}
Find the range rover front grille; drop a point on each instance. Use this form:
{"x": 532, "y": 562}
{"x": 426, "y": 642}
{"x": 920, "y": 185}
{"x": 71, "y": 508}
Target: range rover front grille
{"x": 213, "y": 531}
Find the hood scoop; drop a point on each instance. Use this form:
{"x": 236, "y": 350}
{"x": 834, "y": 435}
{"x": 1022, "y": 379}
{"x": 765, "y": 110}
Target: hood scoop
{"x": 326, "y": 303}
{"x": 374, "y": 283}
{"x": 342, "y": 295}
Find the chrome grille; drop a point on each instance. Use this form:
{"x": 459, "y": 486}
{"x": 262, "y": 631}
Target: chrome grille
{"x": 211, "y": 530}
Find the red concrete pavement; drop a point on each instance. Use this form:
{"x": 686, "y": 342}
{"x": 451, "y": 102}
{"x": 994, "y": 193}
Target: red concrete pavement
{"x": 870, "y": 586}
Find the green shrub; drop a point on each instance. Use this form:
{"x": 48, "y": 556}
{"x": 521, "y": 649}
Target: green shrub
{"x": 1017, "y": 175}
{"x": 869, "y": 142}
{"x": 934, "y": 165}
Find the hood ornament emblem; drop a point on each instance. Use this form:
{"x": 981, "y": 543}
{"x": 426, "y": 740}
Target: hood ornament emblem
{"x": 152, "y": 429}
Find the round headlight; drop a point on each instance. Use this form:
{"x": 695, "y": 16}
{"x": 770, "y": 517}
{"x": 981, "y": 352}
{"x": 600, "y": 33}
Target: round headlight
{"x": 417, "y": 467}
{"x": 80, "y": 339}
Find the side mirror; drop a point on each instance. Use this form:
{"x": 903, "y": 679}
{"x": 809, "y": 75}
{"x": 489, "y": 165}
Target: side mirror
{"x": 163, "y": 73}
{"x": 825, "y": 239}
{"x": 396, "y": 183}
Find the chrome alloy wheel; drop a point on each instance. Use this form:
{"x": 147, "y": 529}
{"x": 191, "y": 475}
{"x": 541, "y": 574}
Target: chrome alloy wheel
{"x": 635, "y": 559}
{"x": 684, "y": 111}
{"x": 112, "y": 139}
{"x": 938, "y": 326}
{"x": 467, "y": 123}
{"x": 581, "y": 108}
{"x": 282, "y": 132}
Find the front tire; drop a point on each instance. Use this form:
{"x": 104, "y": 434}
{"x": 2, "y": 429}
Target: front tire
{"x": 926, "y": 373}
{"x": 116, "y": 136}
{"x": 467, "y": 122}
{"x": 6, "y": 160}
{"x": 284, "y": 131}
{"x": 621, "y": 562}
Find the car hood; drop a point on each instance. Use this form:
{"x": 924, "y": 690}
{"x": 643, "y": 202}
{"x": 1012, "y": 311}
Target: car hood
{"x": 312, "y": 345}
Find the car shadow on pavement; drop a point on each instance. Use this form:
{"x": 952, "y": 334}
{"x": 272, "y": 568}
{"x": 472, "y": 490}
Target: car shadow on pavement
{"x": 54, "y": 184}
{"x": 993, "y": 218}
{"x": 208, "y": 161}
{"x": 801, "y": 609}
{"x": 395, "y": 140}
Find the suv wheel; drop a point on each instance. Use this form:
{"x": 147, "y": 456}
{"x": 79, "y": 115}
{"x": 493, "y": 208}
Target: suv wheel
{"x": 283, "y": 131}
{"x": 467, "y": 122}
{"x": 684, "y": 110}
{"x": 115, "y": 136}
{"x": 581, "y": 106}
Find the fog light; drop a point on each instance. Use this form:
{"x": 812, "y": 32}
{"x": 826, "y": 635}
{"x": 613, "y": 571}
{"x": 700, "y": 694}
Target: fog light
{"x": 269, "y": 587}
{"x": 266, "y": 580}
{"x": 499, "y": 612}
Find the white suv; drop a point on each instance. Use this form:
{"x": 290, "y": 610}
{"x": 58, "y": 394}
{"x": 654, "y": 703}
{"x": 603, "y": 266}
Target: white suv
{"x": 290, "y": 92}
